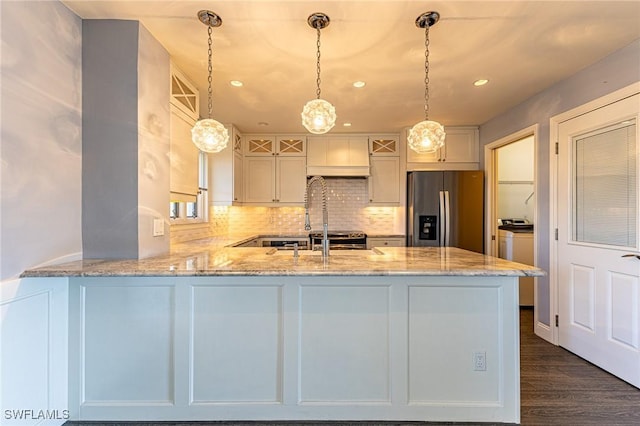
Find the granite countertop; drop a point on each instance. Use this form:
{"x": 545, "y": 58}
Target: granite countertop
{"x": 210, "y": 257}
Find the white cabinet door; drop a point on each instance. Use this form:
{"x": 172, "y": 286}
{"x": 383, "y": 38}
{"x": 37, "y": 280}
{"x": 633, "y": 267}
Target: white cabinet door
{"x": 462, "y": 147}
{"x": 294, "y": 146}
{"x": 260, "y": 145}
{"x": 225, "y": 172}
{"x": 290, "y": 179}
{"x": 274, "y": 169}
{"x": 384, "y": 145}
{"x": 384, "y": 182}
{"x": 238, "y": 189}
{"x": 259, "y": 184}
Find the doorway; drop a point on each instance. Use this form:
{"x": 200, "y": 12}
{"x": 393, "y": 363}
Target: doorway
{"x": 515, "y": 207}
{"x": 510, "y": 171}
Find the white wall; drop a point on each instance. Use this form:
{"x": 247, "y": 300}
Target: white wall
{"x": 40, "y": 197}
{"x": 516, "y": 198}
{"x": 40, "y": 204}
{"x": 125, "y": 140}
{"x": 613, "y": 72}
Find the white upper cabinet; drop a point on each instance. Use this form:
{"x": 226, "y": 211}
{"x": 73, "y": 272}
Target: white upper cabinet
{"x": 274, "y": 170}
{"x": 184, "y": 155}
{"x": 461, "y": 151}
{"x": 184, "y": 94}
{"x": 384, "y": 145}
{"x": 225, "y": 172}
{"x": 265, "y": 145}
{"x": 384, "y": 181}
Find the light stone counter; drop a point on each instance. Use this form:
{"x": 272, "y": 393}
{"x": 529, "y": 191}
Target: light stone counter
{"x": 210, "y": 332}
{"x": 212, "y": 258}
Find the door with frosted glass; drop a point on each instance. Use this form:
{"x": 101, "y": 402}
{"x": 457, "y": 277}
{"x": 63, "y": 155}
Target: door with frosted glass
{"x": 599, "y": 238}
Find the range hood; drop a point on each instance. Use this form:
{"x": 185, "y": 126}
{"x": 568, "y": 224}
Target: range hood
{"x": 338, "y": 156}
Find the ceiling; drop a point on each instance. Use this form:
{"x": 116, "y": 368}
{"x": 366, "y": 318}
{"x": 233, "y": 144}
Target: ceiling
{"x": 521, "y": 47}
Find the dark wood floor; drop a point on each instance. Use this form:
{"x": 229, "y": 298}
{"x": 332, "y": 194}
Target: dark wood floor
{"x": 557, "y": 388}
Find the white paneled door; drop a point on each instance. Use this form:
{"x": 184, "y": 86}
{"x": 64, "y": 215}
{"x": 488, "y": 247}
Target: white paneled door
{"x": 599, "y": 237}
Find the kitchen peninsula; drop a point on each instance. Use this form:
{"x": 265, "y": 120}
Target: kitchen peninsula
{"x": 219, "y": 333}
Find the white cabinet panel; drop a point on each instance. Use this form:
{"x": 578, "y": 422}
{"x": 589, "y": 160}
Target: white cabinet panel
{"x": 381, "y": 145}
{"x": 461, "y": 151}
{"x": 134, "y": 326}
{"x": 259, "y": 183}
{"x": 384, "y": 182}
{"x": 33, "y": 348}
{"x": 274, "y": 170}
{"x": 237, "y": 341}
{"x": 290, "y": 179}
{"x": 433, "y": 323}
{"x": 344, "y": 344}
{"x": 461, "y": 146}
{"x": 225, "y": 172}
{"x": 295, "y": 348}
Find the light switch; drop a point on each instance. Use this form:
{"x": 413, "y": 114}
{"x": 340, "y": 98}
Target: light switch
{"x": 158, "y": 227}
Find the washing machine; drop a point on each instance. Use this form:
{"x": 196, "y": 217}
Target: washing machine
{"x": 517, "y": 245}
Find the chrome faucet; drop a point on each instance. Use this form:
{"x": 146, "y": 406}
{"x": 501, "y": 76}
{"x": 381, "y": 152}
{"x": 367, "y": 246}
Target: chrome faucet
{"x": 325, "y": 213}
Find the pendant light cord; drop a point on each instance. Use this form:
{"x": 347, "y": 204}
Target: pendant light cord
{"x": 210, "y": 68}
{"x": 318, "y": 62}
{"x": 426, "y": 72}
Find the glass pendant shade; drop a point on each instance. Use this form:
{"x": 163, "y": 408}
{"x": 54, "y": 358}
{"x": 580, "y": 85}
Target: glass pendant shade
{"x": 426, "y": 137}
{"x": 318, "y": 116}
{"x": 209, "y": 135}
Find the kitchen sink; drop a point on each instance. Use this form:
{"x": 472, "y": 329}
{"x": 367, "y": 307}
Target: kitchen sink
{"x": 332, "y": 253}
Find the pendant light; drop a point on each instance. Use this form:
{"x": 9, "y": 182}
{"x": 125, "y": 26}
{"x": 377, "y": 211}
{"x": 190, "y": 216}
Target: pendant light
{"x": 208, "y": 134}
{"x": 426, "y": 136}
{"x": 318, "y": 115}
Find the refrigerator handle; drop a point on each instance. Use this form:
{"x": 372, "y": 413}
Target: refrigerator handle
{"x": 447, "y": 206}
{"x": 443, "y": 220}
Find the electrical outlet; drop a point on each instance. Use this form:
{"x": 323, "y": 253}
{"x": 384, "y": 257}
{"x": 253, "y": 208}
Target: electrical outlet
{"x": 480, "y": 361}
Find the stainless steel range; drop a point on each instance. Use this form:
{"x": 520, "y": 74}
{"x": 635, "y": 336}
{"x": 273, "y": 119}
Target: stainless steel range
{"x": 340, "y": 240}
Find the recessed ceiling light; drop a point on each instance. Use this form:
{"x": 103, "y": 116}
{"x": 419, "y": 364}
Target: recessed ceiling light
{"x": 359, "y": 84}
{"x": 346, "y": 124}
{"x": 236, "y": 83}
{"x": 480, "y": 82}
{"x": 262, "y": 123}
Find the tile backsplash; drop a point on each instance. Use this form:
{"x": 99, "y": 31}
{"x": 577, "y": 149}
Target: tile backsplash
{"x": 347, "y": 203}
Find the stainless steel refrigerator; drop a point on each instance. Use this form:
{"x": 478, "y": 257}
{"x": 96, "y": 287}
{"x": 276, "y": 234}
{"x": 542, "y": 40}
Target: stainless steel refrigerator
{"x": 446, "y": 208}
